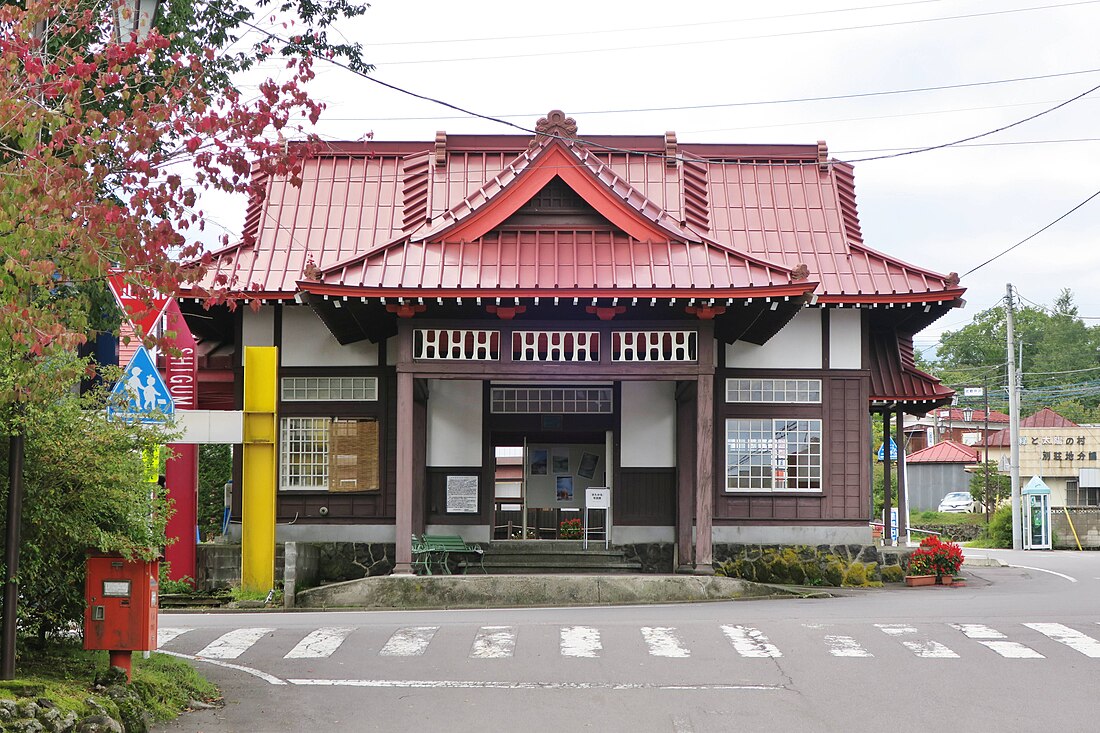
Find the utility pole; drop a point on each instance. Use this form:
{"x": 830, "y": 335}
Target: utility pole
{"x": 985, "y": 442}
{"x": 1013, "y": 420}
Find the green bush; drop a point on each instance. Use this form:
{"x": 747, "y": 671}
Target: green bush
{"x": 892, "y": 574}
{"x": 998, "y": 533}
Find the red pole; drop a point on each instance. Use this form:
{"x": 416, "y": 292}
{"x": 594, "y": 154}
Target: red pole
{"x": 121, "y": 658}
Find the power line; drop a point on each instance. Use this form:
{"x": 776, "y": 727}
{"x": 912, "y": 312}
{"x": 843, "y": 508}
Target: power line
{"x": 701, "y": 42}
{"x": 917, "y": 149}
{"x": 634, "y": 29}
{"x": 980, "y": 135}
{"x": 1033, "y": 234}
{"x": 720, "y": 105}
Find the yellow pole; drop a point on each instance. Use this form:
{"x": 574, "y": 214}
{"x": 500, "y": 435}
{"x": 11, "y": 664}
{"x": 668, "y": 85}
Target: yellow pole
{"x": 258, "y": 469}
{"x": 1073, "y": 529}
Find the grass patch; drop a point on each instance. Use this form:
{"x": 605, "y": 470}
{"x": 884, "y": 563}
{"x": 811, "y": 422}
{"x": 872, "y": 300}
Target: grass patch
{"x": 917, "y": 518}
{"x": 65, "y": 673}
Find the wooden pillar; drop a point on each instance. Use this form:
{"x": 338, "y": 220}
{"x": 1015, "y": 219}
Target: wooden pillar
{"x": 403, "y": 521}
{"x": 685, "y": 474}
{"x": 704, "y": 473}
{"x": 419, "y": 454}
{"x": 903, "y": 505}
{"x": 887, "y": 489}
{"x": 704, "y": 451}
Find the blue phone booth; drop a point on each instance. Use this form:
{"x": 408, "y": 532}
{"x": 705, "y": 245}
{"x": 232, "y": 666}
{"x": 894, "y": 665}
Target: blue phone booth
{"x": 1035, "y": 498}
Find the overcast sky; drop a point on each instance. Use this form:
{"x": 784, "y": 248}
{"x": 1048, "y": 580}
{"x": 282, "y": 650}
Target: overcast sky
{"x": 731, "y": 72}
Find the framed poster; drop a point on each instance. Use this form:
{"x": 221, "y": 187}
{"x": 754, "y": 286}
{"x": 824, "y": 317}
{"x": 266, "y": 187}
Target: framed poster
{"x": 537, "y": 462}
{"x": 587, "y": 469}
{"x": 560, "y": 460}
{"x": 462, "y": 494}
{"x": 564, "y": 486}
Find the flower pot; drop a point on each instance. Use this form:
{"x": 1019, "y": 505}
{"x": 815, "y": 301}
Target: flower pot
{"x": 945, "y": 580}
{"x": 920, "y": 579}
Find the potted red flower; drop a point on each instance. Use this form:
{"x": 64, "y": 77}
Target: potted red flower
{"x": 937, "y": 558}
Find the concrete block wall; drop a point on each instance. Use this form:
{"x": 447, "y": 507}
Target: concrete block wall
{"x": 1086, "y": 520}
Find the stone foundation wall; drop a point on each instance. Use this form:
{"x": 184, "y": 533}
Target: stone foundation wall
{"x": 829, "y": 565}
{"x": 654, "y": 557}
{"x": 953, "y": 532}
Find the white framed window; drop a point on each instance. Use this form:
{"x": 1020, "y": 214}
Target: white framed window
{"x": 773, "y": 455}
{"x": 329, "y": 389}
{"x": 323, "y": 454}
{"x": 779, "y": 391}
{"x": 561, "y": 400}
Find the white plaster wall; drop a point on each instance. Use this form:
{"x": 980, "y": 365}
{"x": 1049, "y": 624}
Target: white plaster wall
{"x": 845, "y": 338}
{"x": 648, "y": 438}
{"x": 454, "y": 422}
{"x": 797, "y": 346}
{"x": 258, "y": 327}
{"x": 308, "y": 342}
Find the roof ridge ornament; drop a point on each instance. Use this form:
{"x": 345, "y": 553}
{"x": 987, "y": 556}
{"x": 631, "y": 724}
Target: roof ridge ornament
{"x": 554, "y": 125}
{"x": 440, "y": 148}
{"x": 822, "y": 156}
{"x": 672, "y": 151}
{"x": 800, "y": 272}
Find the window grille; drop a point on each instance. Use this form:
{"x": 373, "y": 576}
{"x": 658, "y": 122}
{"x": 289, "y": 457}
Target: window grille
{"x": 558, "y": 400}
{"x": 329, "y": 389}
{"x": 319, "y": 454}
{"x": 786, "y": 391}
{"x": 773, "y": 455}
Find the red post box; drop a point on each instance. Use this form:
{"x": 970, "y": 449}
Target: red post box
{"x": 121, "y": 606}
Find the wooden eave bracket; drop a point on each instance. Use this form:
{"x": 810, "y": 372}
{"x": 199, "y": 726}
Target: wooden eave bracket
{"x": 506, "y": 312}
{"x": 605, "y": 313}
{"x": 705, "y": 312}
{"x": 405, "y": 310}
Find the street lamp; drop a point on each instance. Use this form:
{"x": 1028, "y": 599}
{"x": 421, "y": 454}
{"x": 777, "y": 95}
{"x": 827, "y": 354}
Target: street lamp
{"x": 968, "y": 414}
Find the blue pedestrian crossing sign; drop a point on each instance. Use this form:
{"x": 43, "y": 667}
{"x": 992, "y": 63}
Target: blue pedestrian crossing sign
{"x": 141, "y": 394}
{"x": 893, "y": 451}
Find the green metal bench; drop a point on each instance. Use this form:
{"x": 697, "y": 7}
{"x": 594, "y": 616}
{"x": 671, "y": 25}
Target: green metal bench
{"x": 430, "y": 549}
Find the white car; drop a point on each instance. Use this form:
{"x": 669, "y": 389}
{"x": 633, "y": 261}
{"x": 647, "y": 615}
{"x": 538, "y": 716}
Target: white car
{"x": 957, "y": 502}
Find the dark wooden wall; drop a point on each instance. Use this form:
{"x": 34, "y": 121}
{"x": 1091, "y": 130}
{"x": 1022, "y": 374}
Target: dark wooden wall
{"x": 645, "y": 496}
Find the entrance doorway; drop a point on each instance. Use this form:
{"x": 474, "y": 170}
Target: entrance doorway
{"x": 539, "y": 488}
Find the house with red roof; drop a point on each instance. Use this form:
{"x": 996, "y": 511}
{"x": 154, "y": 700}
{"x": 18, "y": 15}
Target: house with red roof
{"x": 699, "y": 328}
{"x": 936, "y": 471}
{"x": 1065, "y": 455}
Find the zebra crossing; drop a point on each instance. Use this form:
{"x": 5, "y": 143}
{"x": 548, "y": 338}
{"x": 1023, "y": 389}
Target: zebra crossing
{"x": 923, "y": 641}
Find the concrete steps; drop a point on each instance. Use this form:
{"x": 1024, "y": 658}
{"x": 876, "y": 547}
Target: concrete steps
{"x": 555, "y": 556}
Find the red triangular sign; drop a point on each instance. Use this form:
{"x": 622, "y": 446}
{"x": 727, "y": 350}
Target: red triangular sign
{"x": 141, "y": 309}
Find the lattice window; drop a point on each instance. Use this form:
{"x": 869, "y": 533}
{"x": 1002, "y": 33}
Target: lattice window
{"x": 787, "y": 391}
{"x": 329, "y": 389}
{"x": 458, "y": 344}
{"x": 556, "y": 400}
{"x": 557, "y": 346}
{"x": 319, "y": 454}
{"x": 634, "y": 346}
{"x": 773, "y": 455}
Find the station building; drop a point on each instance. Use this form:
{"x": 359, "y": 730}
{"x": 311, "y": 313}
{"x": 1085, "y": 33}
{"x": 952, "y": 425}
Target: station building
{"x": 698, "y": 327}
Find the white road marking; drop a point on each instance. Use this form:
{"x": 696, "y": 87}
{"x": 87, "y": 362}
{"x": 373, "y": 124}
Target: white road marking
{"x": 270, "y": 678}
{"x": 165, "y": 635}
{"x": 750, "y": 642}
{"x": 845, "y": 646}
{"x": 1044, "y": 570}
{"x": 926, "y": 649}
{"x": 580, "y": 641}
{"x": 1070, "y": 637}
{"x": 233, "y": 644}
{"x": 993, "y": 639}
{"x": 494, "y": 642}
{"x": 411, "y": 641}
{"x": 491, "y": 685}
{"x": 682, "y": 724}
{"x": 662, "y": 642}
{"x": 320, "y": 643}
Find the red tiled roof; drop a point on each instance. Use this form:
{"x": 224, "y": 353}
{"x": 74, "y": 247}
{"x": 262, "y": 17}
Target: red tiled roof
{"x": 956, "y": 416}
{"x": 947, "y": 451}
{"x": 1044, "y": 418}
{"x": 894, "y": 378}
{"x": 563, "y": 262}
{"x": 777, "y": 207}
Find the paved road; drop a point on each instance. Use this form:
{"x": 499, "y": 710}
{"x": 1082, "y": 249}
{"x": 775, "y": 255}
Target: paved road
{"x": 1017, "y": 645}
